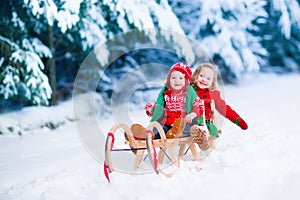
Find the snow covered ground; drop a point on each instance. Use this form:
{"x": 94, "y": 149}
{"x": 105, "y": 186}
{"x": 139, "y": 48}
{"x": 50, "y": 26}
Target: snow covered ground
{"x": 260, "y": 163}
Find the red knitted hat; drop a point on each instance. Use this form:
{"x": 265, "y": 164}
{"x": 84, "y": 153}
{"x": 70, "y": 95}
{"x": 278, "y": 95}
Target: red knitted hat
{"x": 183, "y": 68}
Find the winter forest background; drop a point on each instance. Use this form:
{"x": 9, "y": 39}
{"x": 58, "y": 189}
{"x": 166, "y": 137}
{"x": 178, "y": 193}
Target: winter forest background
{"x": 44, "y": 43}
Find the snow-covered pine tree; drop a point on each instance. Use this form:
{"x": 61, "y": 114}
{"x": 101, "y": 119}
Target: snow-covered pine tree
{"x": 46, "y": 30}
{"x": 67, "y": 30}
{"x": 281, "y": 35}
{"x": 21, "y": 73}
{"x": 224, "y": 29}
{"x": 129, "y": 29}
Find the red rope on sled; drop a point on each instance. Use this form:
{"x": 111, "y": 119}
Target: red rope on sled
{"x": 155, "y": 162}
{"x": 155, "y": 158}
{"x": 113, "y": 139}
{"x": 106, "y": 173}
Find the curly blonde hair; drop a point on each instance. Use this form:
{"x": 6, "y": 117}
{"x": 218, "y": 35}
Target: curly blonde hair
{"x": 197, "y": 72}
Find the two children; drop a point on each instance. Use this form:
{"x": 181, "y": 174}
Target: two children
{"x": 178, "y": 99}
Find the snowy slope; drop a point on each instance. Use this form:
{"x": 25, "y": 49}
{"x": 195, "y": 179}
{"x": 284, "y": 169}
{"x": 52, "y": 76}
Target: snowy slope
{"x": 260, "y": 163}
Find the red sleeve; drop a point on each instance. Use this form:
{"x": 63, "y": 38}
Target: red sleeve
{"x": 198, "y": 107}
{"x": 222, "y": 107}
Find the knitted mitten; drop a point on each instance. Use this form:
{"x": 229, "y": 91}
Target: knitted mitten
{"x": 241, "y": 123}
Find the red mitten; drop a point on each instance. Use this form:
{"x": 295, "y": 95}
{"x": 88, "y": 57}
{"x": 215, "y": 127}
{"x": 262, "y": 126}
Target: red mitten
{"x": 241, "y": 123}
{"x": 149, "y": 109}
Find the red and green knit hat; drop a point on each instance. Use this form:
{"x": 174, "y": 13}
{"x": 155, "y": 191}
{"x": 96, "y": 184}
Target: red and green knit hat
{"x": 183, "y": 68}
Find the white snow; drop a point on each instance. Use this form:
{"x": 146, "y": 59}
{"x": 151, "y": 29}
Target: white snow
{"x": 289, "y": 10}
{"x": 9, "y": 86}
{"x": 47, "y": 8}
{"x": 34, "y": 77}
{"x": 260, "y": 163}
{"x": 66, "y": 17}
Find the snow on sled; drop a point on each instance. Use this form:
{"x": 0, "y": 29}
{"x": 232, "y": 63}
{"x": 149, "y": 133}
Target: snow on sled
{"x": 141, "y": 141}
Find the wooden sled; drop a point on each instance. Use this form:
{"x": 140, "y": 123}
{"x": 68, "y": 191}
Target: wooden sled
{"x": 149, "y": 145}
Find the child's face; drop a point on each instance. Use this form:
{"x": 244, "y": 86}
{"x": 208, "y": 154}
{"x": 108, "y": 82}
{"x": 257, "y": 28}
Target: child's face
{"x": 177, "y": 80}
{"x": 205, "y": 78}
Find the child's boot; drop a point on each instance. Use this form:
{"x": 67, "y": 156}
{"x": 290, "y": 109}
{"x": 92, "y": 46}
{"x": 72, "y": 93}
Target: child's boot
{"x": 199, "y": 137}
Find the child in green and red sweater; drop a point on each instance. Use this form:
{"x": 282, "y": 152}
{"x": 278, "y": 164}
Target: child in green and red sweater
{"x": 204, "y": 81}
{"x": 177, "y": 99}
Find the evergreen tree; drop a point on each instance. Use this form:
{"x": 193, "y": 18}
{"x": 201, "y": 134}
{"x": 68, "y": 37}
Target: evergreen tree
{"x": 281, "y": 36}
{"x": 21, "y": 52}
{"x": 58, "y": 34}
{"x": 136, "y": 21}
{"x": 225, "y": 30}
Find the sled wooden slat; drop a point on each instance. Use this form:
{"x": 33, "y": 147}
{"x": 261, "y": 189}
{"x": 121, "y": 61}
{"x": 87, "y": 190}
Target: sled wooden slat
{"x": 108, "y": 162}
{"x": 139, "y": 158}
{"x": 170, "y": 144}
{"x": 160, "y": 142}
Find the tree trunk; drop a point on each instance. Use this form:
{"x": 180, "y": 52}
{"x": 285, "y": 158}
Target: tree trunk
{"x": 52, "y": 67}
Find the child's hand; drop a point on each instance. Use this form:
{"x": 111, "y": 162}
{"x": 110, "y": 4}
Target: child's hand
{"x": 241, "y": 123}
{"x": 189, "y": 118}
{"x": 149, "y": 108}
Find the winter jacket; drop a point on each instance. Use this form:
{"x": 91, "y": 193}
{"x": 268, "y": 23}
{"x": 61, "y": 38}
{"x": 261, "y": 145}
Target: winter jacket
{"x": 220, "y": 104}
{"x": 171, "y": 106}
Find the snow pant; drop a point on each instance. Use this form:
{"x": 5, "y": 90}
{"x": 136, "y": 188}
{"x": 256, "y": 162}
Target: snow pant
{"x": 166, "y": 128}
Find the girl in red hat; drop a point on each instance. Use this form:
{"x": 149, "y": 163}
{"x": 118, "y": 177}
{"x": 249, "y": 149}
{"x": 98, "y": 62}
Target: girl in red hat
{"x": 204, "y": 81}
{"x": 176, "y": 100}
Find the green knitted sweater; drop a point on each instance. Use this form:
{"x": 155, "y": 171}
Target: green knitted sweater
{"x": 158, "y": 112}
